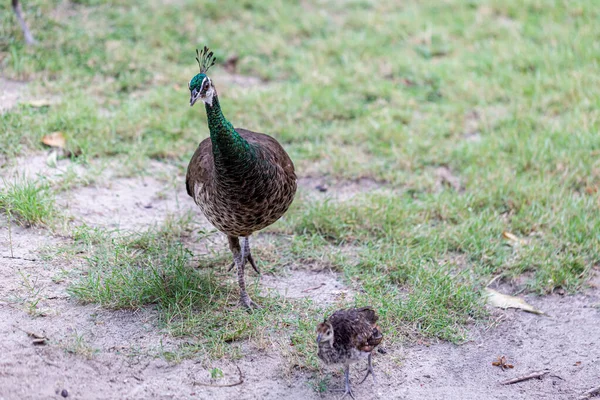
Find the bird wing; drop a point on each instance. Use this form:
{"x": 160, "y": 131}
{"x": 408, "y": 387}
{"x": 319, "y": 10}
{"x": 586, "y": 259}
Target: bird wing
{"x": 368, "y": 314}
{"x": 370, "y": 339}
{"x": 200, "y": 166}
{"x": 370, "y": 335}
{"x": 270, "y": 149}
{"x": 357, "y": 327}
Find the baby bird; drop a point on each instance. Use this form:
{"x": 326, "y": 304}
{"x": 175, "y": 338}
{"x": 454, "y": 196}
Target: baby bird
{"x": 348, "y": 336}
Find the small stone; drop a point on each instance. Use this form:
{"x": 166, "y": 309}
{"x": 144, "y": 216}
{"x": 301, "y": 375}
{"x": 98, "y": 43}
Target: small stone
{"x": 322, "y": 188}
{"x": 64, "y": 393}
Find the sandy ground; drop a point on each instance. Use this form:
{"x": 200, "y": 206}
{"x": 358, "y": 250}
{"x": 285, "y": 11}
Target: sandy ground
{"x": 10, "y": 93}
{"x": 93, "y": 353}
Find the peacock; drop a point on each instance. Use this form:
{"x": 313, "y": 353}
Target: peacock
{"x": 348, "y": 336}
{"x": 243, "y": 181}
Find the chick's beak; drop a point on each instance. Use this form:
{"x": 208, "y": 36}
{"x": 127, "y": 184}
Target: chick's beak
{"x": 194, "y": 95}
{"x": 319, "y": 337}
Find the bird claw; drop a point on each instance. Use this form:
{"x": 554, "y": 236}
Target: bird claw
{"x": 247, "y": 302}
{"x": 348, "y": 392}
{"x": 369, "y": 372}
{"x": 253, "y": 264}
{"x": 347, "y": 383}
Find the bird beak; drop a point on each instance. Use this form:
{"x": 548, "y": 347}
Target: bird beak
{"x": 194, "y": 97}
{"x": 319, "y": 337}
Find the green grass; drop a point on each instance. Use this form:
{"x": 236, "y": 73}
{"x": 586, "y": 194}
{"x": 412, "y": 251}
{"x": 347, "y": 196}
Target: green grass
{"x": 28, "y": 202}
{"x": 194, "y": 297}
{"x": 502, "y": 93}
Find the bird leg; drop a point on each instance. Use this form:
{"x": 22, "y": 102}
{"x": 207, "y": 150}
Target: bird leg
{"x": 347, "y": 382}
{"x": 369, "y": 372}
{"x": 246, "y": 256}
{"x": 238, "y": 259}
{"x": 17, "y": 9}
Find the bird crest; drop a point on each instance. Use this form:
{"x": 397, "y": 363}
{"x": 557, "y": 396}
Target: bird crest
{"x": 205, "y": 59}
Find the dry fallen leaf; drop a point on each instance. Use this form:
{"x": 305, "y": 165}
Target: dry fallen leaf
{"x": 55, "y": 139}
{"x": 512, "y": 238}
{"x": 502, "y": 362}
{"x": 38, "y": 339}
{"x": 35, "y": 335}
{"x": 499, "y": 300}
{"x": 39, "y": 103}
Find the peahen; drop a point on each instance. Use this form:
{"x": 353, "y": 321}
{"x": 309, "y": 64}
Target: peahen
{"x": 243, "y": 181}
{"x": 349, "y": 336}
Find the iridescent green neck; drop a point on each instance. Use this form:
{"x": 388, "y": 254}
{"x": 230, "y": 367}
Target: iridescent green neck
{"x": 230, "y": 150}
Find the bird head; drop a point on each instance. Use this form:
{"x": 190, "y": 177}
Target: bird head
{"x": 325, "y": 333}
{"x": 201, "y": 86}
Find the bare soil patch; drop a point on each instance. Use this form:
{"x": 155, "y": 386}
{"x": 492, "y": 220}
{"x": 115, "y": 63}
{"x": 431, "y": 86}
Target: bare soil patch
{"x": 340, "y": 190}
{"x": 566, "y": 344}
{"x": 323, "y": 287}
{"x": 11, "y": 92}
{"x": 128, "y": 203}
{"x": 95, "y": 353}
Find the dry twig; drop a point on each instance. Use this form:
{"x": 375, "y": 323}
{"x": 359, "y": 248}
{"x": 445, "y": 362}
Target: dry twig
{"x": 19, "y": 258}
{"x": 313, "y": 288}
{"x": 532, "y": 375}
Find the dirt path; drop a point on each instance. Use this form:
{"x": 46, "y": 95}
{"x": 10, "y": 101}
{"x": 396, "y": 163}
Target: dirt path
{"x": 94, "y": 353}
{"x": 110, "y": 361}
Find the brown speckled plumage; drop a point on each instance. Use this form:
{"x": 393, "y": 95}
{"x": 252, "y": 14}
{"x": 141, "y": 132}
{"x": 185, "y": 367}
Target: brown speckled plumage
{"x": 243, "y": 181}
{"x": 236, "y": 202}
{"x": 348, "y": 336}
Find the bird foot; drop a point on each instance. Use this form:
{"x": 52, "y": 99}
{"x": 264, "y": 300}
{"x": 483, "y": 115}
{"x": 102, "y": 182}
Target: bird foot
{"x": 369, "y": 372}
{"x": 348, "y": 392}
{"x": 250, "y": 260}
{"x": 247, "y": 302}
